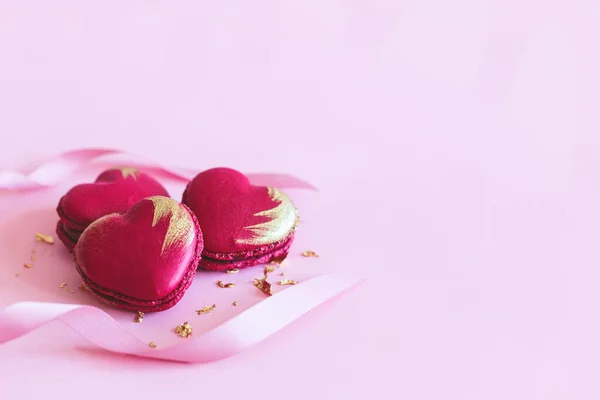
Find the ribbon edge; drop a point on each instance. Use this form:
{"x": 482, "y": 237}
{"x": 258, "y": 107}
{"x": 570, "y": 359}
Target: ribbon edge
{"x": 139, "y": 348}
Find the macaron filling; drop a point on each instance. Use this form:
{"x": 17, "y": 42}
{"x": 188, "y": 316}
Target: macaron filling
{"x": 221, "y": 261}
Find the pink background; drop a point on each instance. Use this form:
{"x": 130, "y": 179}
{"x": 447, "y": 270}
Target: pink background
{"x": 456, "y": 145}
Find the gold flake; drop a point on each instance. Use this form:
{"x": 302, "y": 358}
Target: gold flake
{"x": 28, "y": 265}
{"x": 184, "y": 330}
{"x": 72, "y": 291}
{"x": 63, "y": 285}
{"x": 180, "y": 223}
{"x": 126, "y": 172}
{"x": 32, "y": 258}
{"x": 139, "y": 317}
{"x": 152, "y": 345}
{"x": 287, "y": 282}
{"x": 310, "y": 253}
{"x": 82, "y": 286}
{"x": 40, "y": 237}
{"x": 282, "y": 220}
{"x": 279, "y": 260}
{"x": 270, "y": 269}
{"x": 206, "y": 309}
{"x": 263, "y": 285}
{"x": 225, "y": 285}
{"x": 232, "y": 271}
{"x": 235, "y": 303}
{"x": 266, "y": 272}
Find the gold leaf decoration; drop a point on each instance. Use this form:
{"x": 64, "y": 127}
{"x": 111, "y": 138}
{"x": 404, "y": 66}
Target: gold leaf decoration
{"x": 180, "y": 223}
{"x": 139, "y": 317}
{"x": 282, "y": 220}
{"x": 41, "y": 237}
{"x": 206, "y": 309}
{"x": 263, "y": 285}
{"x": 269, "y": 269}
{"x": 287, "y": 282}
{"x": 184, "y": 330}
{"x": 127, "y": 172}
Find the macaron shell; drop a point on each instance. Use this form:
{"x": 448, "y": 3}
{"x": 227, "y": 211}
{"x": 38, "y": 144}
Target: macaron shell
{"x": 114, "y": 191}
{"x": 236, "y": 216}
{"x": 143, "y": 260}
{"x": 66, "y": 236}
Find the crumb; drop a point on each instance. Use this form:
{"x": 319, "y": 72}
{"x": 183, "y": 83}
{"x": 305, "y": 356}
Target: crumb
{"x": 263, "y": 285}
{"x": 287, "y": 282}
{"x": 206, "y": 309}
{"x": 184, "y": 330}
{"x": 40, "y": 237}
{"x": 270, "y": 269}
{"x": 139, "y": 317}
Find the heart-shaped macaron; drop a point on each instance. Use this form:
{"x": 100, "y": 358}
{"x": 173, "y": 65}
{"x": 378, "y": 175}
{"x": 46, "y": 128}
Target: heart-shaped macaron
{"x": 114, "y": 191}
{"x": 143, "y": 260}
{"x": 243, "y": 224}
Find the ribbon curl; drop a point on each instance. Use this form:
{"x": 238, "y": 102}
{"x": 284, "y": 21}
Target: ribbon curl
{"x": 56, "y": 169}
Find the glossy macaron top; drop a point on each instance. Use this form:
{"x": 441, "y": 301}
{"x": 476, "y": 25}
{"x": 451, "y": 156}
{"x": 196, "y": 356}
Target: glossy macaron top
{"x": 143, "y": 260}
{"x": 236, "y": 216}
{"x": 114, "y": 191}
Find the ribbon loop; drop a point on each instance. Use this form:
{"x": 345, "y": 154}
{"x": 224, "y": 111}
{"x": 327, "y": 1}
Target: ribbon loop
{"x": 56, "y": 169}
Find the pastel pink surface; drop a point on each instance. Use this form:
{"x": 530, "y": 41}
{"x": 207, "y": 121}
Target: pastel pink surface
{"x": 457, "y": 140}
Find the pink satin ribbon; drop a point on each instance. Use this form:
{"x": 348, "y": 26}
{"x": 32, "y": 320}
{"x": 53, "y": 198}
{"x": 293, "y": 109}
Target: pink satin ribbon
{"x": 60, "y": 167}
{"x": 100, "y": 329}
{"x": 240, "y": 332}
